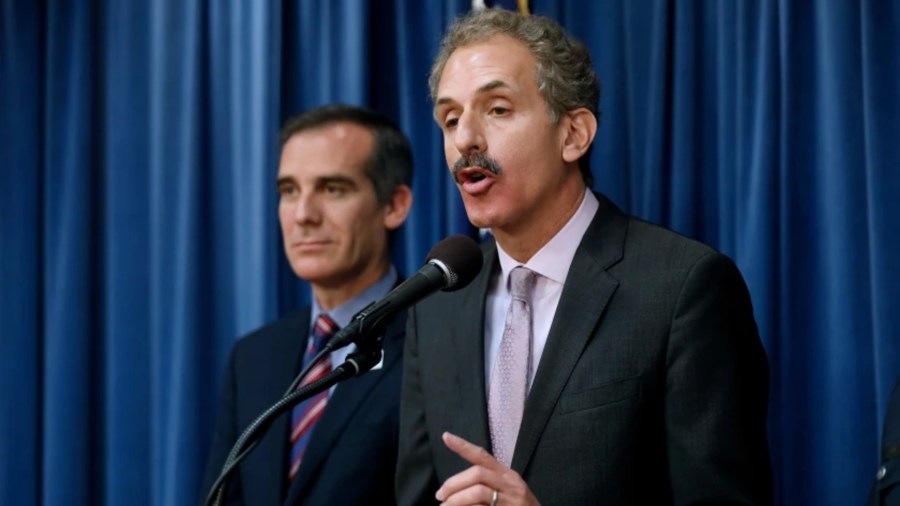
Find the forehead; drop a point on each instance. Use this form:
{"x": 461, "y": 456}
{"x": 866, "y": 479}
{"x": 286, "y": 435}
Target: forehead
{"x": 498, "y": 58}
{"x": 334, "y": 148}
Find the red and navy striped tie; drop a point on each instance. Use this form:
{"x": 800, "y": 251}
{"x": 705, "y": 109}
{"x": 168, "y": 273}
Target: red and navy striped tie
{"x": 305, "y": 414}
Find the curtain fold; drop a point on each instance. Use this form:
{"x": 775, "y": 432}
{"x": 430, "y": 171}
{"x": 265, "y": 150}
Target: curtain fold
{"x": 138, "y": 153}
{"x": 21, "y": 246}
{"x": 881, "y": 159}
{"x": 73, "y": 348}
{"x": 122, "y": 170}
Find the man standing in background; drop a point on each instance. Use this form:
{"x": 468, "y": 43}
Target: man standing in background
{"x": 344, "y": 186}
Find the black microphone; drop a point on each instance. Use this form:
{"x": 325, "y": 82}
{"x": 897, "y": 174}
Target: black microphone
{"x": 450, "y": 265}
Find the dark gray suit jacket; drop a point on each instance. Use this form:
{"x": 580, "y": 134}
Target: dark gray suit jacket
{"x": 652, "y": 387}
{"x": 352, "y": 454}
{"x": 886, "y": 489}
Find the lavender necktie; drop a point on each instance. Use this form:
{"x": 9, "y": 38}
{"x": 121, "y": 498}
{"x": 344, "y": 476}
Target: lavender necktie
{"x": 509, "y": 378}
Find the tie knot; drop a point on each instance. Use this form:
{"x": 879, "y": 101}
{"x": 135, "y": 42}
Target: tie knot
{"x": 521, "y": 282}
{"x": 324, "y": 329}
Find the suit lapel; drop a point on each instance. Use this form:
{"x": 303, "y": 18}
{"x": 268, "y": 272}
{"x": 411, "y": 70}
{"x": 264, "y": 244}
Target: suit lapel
{"x": 469, "y": 355}
{"x": 347, "y": 399}
{"x": 585, "y": 295}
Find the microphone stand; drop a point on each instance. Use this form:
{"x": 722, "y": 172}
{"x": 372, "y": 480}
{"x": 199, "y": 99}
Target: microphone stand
{"x": 367, "y": 355}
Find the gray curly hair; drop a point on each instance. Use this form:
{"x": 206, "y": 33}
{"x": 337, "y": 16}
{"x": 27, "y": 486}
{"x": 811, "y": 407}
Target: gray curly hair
{"x": 565, "y": 74}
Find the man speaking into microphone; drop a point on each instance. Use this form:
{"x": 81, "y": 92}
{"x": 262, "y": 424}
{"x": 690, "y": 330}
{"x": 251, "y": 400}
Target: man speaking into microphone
{"x": 344, "y": 183}
{"x": 597, "y": 358}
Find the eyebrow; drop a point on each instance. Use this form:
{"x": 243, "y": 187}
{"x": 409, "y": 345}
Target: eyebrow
{"x": 490, "y": 86}
{"x": 323, "y": 180}
{"x": 319, "y": 180}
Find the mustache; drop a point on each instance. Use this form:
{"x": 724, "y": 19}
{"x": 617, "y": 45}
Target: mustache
{"x": 476, "y": 160}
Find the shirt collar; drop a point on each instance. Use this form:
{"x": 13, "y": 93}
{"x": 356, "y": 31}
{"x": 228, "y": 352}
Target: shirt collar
{"x": 343, "y": 314}
{"x": 553, "y": 260}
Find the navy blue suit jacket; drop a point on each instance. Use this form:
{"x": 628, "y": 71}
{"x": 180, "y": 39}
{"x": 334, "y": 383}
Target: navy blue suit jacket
{"x": 353, "y": 451}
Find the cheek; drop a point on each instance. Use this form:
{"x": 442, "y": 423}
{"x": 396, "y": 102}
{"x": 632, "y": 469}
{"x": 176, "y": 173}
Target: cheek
{"x": 515, "y": 164}
{"x": 527, "y": 161}
{"x": 284, "y": 218}
{"x": 361, "y": 224}
{"x": 451, "y": 155}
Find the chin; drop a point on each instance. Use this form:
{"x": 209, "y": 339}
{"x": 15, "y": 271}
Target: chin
{"x": 483, "y": 214}
{"x": 481, "y": 220}
{"x": 310, "y": 270}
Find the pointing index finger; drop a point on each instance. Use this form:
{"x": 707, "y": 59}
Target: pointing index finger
{"x": 473, "y": 454}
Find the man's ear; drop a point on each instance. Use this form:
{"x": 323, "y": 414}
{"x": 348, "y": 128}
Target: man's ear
{"x": 397, "y": 208}
{"x": 579, "y": 128}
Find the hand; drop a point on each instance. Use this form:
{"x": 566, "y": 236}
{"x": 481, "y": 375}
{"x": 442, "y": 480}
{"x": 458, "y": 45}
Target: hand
{"x": 477, "y": 484}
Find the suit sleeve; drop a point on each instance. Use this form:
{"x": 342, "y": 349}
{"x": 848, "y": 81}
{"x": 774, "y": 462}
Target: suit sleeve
{"x": 416, "y": 476}
{"x": 886, "y": 489}
{"x": 226, "y": 433}
{"x": 716, "y": 395}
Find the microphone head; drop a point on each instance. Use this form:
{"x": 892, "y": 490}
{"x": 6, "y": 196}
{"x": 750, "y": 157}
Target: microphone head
{"x": 460, "y": 258}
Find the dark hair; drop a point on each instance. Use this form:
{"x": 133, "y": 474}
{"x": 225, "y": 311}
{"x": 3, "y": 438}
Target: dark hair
{"x": 391, "y": 162}
{"x": 565, "y": 74}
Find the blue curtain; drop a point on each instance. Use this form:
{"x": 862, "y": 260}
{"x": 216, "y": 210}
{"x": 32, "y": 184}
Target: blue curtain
{"x": 139, "y": 237}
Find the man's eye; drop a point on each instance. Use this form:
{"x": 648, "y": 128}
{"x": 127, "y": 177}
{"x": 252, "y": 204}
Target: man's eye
{"x": 499, "y": 111}
{"x": 286, "y": 190}
{"x": 451, "y": 122}
{"x": 334, "y": 189}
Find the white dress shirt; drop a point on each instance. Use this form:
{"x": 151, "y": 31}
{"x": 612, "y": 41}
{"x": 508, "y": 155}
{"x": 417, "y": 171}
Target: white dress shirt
{"x": 552, "y": 263}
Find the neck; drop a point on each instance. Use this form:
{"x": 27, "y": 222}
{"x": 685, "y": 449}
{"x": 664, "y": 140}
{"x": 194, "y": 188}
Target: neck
{"x": 329, "y": 297}
{"x": 523, "y": 241}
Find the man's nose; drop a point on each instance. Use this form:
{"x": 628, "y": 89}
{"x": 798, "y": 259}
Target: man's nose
{"x": 306, "y": 209}
{"x": 469, "y": 134}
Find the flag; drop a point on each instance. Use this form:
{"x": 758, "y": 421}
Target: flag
{"x": 523, "y": 6}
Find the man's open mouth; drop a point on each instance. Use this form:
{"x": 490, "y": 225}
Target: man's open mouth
{"x": 471, "y": 175}
{"x": 474, "y": 168}
{"x": 476, "y": 177}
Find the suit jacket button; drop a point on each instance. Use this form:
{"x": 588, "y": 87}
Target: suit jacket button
{"x": 881, "y": 472}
